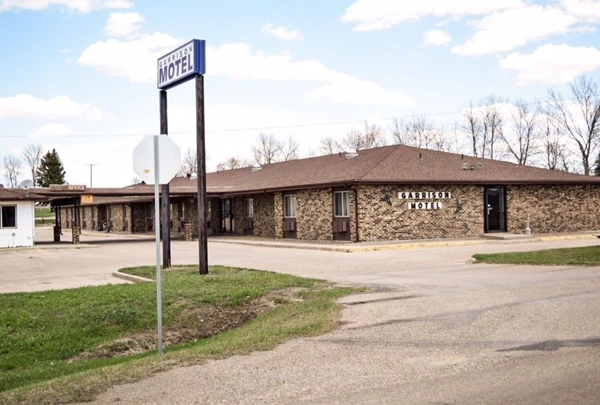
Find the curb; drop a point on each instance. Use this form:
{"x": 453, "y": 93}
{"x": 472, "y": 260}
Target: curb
{"x": 408, "y": 246}
{"x": 49, "y": 247}
{"x": 360, "y": 249}
{"x": 131, "y": 277}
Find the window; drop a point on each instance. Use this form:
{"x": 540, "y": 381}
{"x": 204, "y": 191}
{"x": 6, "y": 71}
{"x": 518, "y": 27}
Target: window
{"x": 289, "y": 206}
{"x": 249, "y": 208}
{"x": 341, "y": 204}
{"x": 181, "y": 211}
{"x": 8, "y": 216}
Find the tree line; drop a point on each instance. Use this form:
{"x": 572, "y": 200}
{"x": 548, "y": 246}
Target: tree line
{"x": 44, "y": 169}
{"x": 560, "y": 132}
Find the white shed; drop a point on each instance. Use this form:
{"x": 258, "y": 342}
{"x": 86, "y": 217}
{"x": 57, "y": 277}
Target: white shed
{"x": 17, "y": 217}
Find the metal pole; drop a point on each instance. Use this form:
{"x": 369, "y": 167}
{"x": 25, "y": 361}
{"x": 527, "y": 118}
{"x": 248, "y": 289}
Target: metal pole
{"x": 201, "y": 154}
{"x": 91, "y": 165}
{"x": 166, "y": 199}
{"x": 157, "y": 235}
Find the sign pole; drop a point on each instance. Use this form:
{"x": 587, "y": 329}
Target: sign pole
{"x": 201, "y": 152}
{"x": 165, "y": 200}
{"x": 157, "y": 235}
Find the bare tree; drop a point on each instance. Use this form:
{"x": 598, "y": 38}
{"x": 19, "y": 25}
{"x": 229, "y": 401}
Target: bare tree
{"x": 329, "y": 146}
{"x": 492, "y": 124}
{"x": 233, "y": 162}
{"x": 32, "y": 155}
{"x": 484, "y": 125}
{"x": 473, "y": 127}
{"x": 268, "y": 150}
{"x": 522, "y": 145}
{"x": 12, "y": 168}
{"x": 556, "y": 153}
{"x": 370, "y": 137}
{"x": 402, "y": 133}
{"x": 189, "y": 165}
{"x": 579, "y": 119}
{"x": 289, "y": 149}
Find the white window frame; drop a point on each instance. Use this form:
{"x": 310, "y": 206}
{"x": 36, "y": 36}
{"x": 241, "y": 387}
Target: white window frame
{"x": 249, "y": 208}
{"x": 16, "y": 215}
{"x": 290, "y": 198}
{"x": 345, "y": 195}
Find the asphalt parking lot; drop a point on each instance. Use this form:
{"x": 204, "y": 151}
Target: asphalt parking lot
{"x": 435, "y": 328}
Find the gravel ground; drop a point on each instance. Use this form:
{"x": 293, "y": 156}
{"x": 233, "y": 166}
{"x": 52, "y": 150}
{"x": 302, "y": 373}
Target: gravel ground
{"x": 435, "y": 329}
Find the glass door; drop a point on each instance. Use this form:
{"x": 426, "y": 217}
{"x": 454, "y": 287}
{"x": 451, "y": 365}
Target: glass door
{"x": 495, "y": 214}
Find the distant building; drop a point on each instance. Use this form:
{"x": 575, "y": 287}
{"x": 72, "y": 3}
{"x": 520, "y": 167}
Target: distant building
{"x": 17, "y": 217}
{"x": 386, "y": 193}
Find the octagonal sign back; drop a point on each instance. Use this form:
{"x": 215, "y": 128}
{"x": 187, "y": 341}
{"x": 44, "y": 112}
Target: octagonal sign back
{"x": 169, "y": 159}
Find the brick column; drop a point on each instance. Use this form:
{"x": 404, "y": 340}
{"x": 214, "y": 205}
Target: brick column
{"x": 188, "y": 232}
{"x": 76, "y": 235}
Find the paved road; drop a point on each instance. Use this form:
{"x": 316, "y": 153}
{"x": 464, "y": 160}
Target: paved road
{"x": 435, "y": 330}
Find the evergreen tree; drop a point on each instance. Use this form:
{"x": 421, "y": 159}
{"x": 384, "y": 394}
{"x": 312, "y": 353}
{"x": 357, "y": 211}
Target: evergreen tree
{"x": 51, "y": 170}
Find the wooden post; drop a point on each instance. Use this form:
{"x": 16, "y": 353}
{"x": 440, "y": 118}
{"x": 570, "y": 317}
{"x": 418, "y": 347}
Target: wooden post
{"x": 165, "y": 203}
{"x": 201, "y": 154}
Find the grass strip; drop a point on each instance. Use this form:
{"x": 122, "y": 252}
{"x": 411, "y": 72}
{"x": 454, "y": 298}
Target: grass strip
{"x": 581, "y": 256}
{"x": 45, "y": 331}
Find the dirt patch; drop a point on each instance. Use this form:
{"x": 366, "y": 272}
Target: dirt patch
{"x": 193, "y": 323}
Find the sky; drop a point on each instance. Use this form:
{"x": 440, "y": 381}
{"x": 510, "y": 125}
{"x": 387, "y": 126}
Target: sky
{"x": 80, "y": 75}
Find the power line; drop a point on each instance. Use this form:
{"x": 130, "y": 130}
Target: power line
{"x": 317, "y": 124}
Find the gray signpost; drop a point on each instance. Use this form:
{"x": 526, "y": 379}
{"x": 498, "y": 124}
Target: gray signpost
{"x": 156, "y": 159}
{"x": 178, "y": 66}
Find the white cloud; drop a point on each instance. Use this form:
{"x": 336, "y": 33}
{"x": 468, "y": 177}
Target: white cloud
{"x": 80, "y": 6}
{"x": 283, "y": 33}
{"x": 436, "y": 38}
{"x": 552, "y": 63}
{"x": 123, "y": 24}
{"x": 585, "y": 10}
{"x": 52, "y": 130}
{"x": 507, "y": 30}
{"x": 26, "y": 106}
{"x": 136, "y": 60}
{"x": 347, "y": 89}
{"x": 370, "y": 15}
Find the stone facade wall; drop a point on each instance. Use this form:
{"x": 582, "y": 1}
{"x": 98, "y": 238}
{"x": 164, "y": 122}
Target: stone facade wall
{"x": 116, "y": 217}
{"x": 278, "y": 214}
{"x": 215, "y": 216}
{"x": 142, "y": 217}
{"x": 314, "y": 214}
{"x": 264, "y": 219}
{"x": 86, "y": 217}
{"x": 383, "y": 216}
{"x": 559, "y": 208}
{"x": 237, "y": 209}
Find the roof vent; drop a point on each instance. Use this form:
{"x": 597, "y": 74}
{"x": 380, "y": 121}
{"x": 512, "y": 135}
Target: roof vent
{"x": 479, "y": 166}
{"x": 256, "y": 168}
{"x": 465, "y": 166}
{"x": 351, "y": 155}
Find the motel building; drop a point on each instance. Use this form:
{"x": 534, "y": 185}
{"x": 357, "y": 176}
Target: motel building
{"x": 389, "y": 193}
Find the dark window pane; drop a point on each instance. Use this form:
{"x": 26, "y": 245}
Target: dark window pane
{"x": 9, "y": 217}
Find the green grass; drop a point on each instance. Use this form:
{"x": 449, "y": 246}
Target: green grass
{"x": 44, "y": 221}
{"x": 40, "y": 332}
{"x": 41, "y": 212}
{"x": 583, "y": 256}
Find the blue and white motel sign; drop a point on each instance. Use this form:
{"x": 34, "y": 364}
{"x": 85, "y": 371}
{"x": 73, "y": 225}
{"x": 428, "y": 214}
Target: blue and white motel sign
{"x": 182, "y": 64}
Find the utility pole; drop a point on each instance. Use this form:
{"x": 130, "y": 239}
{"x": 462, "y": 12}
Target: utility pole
{"x": 91, "y": 165}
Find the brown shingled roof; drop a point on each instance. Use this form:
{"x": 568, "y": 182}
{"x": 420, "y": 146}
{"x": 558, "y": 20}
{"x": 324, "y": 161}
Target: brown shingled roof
{"x": 18, "y": 194}
{"x": 395, "y": 164}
